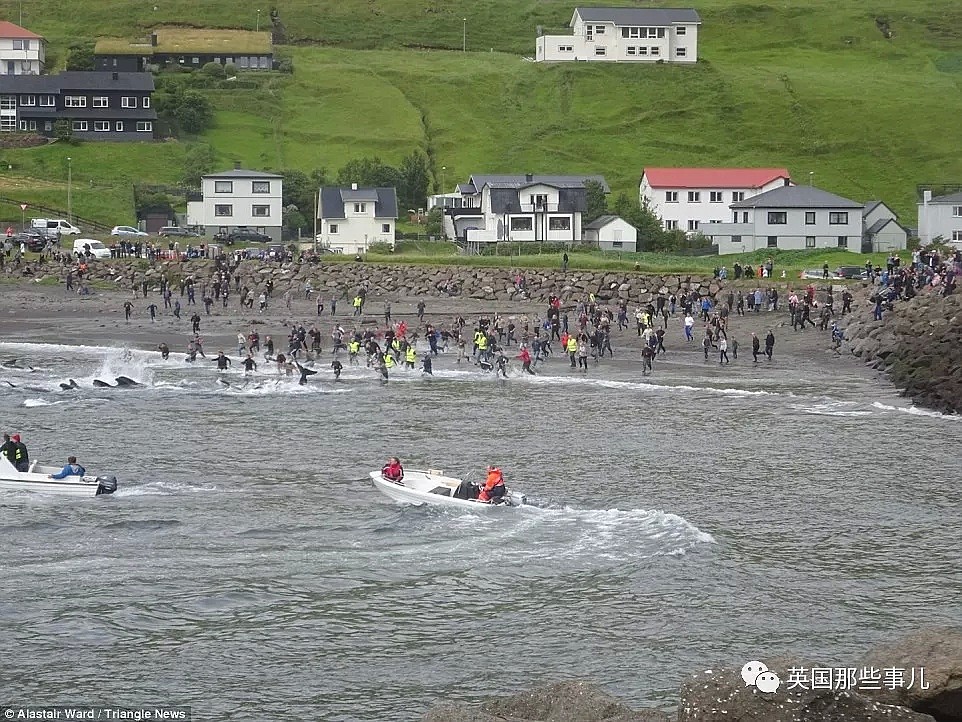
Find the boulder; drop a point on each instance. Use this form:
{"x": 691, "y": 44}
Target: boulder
{"x": 939, "y": 653}
{"x": 722, "y": 694}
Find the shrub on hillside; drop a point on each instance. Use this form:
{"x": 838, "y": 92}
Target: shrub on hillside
{"x": 213, "y": 70}
{"x": 230, "y": 69}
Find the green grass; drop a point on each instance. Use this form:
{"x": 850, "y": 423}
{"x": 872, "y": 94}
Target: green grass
{"x": 812, "y": 85}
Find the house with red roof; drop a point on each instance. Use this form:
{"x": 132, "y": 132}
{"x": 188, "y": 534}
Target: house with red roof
{"x": 21, "y": 51}
{"x": 687, "y": 198}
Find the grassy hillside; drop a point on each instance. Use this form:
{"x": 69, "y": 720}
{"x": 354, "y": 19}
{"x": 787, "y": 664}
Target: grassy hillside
{"x": 812, "y": 85}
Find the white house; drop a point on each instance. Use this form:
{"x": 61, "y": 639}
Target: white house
{"x": 940, "y": 217}
{"x": 517, "y": 208}
{"x": 686, "y": 198}
{"x": 21, "y": 51}
{"x": 882, "y": 230}
{"x": 612, "y": 233}
{"x": 349, "y": 220}
{"x": 790, "y": 218}
{"x": 624, "y": 35}
{"x": 239, "y": 198}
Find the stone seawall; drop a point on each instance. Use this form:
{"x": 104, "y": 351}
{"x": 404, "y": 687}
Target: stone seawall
{"x": 918, "y": 344}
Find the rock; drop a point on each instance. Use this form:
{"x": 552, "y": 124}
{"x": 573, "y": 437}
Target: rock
{"x": 939, "y": 653}
{"x": 722, "y": 694}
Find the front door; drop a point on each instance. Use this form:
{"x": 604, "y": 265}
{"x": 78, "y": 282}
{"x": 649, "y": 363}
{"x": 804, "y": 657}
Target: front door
{"x": 11, "y": 67}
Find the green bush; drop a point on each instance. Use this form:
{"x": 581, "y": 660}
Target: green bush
{"x": 214, "y": 70}
{"x": 230, "y": 69}
{"x": 380, "y": 248}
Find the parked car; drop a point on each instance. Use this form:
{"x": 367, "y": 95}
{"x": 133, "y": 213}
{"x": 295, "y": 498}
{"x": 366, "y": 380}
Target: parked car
{"x": 850, "y": 272}
{"x": 240, "y": 235}
{"x": 177, "y": 231}
{"x": 53, "y": 227}
{"x": 96, "y": 249}
{"x": 126, "y": 231}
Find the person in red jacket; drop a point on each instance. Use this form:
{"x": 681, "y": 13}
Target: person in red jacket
{"x": 393, "y": 471}
{"x": 494, "y": 489}
{"x": 525, "y": 357}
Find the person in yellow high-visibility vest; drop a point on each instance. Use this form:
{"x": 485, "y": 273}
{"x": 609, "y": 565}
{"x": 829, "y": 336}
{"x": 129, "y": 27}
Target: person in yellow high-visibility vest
{"x": 572, "y": 349}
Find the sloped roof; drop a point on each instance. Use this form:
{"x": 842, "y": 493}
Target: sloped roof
{"x": 12, "y": 30}
{"x": 332, "y": 201}
{"x": 523, "y": 181}
{"x": 242, "y": 173}
{"x": 949, "y": 199}
{"x": 186, "y": 41}
{"x": 797, "y": 197}
{"x": 600, "y": 222}
{"x": 713, "y": 177}
{"x": 76, "y": 80}
{"x": 638, "y": 16}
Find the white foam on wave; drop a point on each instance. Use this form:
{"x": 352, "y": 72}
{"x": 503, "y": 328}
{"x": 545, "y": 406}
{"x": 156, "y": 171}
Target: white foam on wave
{"x": 916, "y": 411}
{"x": 166, "y": 488}
{"x": 831, "y": 408}
{"x": 32, "y": 403}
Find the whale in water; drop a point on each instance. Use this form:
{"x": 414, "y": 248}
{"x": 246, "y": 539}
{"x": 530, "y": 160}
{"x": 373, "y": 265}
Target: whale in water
{"x": 71, "y": 384}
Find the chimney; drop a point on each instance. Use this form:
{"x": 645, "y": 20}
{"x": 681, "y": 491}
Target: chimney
{"x": 528, "y": 177}
{"x": 353, "y": 186}
{"x": 153, "y": 39}
{"x": 115, "y": 76}
{"x": 236, "y": 165}
{"x": 926, "y": 196}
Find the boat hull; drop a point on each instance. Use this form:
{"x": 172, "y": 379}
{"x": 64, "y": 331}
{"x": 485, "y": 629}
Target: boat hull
{"x": 38, "y": 480}
{"x": 433, "y": 488}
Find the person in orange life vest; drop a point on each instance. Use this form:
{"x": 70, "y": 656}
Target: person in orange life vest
{"x": 493, "y": 490}
{"x": 393, "y": 471}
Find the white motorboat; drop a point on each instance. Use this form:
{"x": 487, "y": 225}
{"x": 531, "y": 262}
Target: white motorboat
{"x": 431, "y": 486}
{"x": 37, "y": 478}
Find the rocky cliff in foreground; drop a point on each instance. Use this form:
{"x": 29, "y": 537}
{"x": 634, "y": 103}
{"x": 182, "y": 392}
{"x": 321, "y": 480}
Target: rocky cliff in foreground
{"x": 722, "y": 694}
{"x": 918, "y": 344}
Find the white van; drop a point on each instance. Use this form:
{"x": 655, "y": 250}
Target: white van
{"x": 51, "y": 226}
{"x": 96, "y": 248}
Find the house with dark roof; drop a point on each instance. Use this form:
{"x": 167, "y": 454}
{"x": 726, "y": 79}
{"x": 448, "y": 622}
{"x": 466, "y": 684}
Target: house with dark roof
{"x": 790, "y": 218}
{"x": 624, "y": 35}
{"x": 611, "y": 233}
{"x": 237, "y": 200}
{"x": 98, "y": 106}
{"x": 882, "y": 230}
{"x": 686, "y": 198}
{"x": 517, "y": 208}
{"x": 349, "y": 220}
{"x": 21, "y": 51}
{"x": 186, "y": 48}
{"x": 940, "y": 217}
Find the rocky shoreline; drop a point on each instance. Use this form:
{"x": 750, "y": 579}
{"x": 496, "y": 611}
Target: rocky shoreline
{"x": 714, "y": 695}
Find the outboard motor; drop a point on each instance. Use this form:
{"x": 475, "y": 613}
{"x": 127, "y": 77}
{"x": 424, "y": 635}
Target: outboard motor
{"x": 516, "y": 498}
{"x": 106, "y": 485}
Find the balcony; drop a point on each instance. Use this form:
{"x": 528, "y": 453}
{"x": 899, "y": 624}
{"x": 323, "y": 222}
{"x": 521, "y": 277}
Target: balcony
{"x": 539, "y": 207}
{"x": 455, "y": 212}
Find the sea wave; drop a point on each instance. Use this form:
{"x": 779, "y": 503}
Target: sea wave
{"x": 916, "y": 411}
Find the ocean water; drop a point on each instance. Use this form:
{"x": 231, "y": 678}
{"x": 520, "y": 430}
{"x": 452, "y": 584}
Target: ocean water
{"x": 248, "y": 568}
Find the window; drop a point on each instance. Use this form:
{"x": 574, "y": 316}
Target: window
{"x": 119, "y": 126}
{"x": 566, "y": 48}
{"x": 559, "y": 223}
{"x": 661, "y": 33}
{"x": 631, "y": 50}
{"x": 8, "y": 122}
{"x": 694, "y": 196}
{"x": 777, "y": 218}
{"x": 600, "y": 29}
{"x": 744, "y": 216}
{"x": 360, "y": 207}
{"x": 957, "y": 211}
{"x": 48, "y": 100}
{"x": 223, "y": 210}
{"x": 260, "y": 211}
{"x": 48, "y": 125}
{"x": 102, "y": 126}
{"x": 146, "y": 103}
{"x": 520, "y": 223}
{"x": 681, "y": 52}
{"x": 655, "y": 50}
{"x": 716, "y": 197}
{"x": 617, "y": 244}
{"x": 809, "y": 218}
{"x": 539, "y": 201}
{"x": 18, "y": 45}
{"x": 671, "y": 196}
{"x": 128, "y": 101}
{"x": 692, "y": 225}
{"x": 223, "y": 186}
{"x": 681, "y": 31}
{"x": 385, "y": 228}
{"x": 28, "y": 100}
{"x": 242, "y": 61}
{"x": 838, "y": 218}
{"x": 957, "y": 235}
{"x": 601, "y": 51}
{"x": 809, "y": 241}
{"x": 642, "y": 50}
{"x": 100, "y": 102}
{"x": 738, "y": 196}
{"x": 8, "y": 102}
{"x": 671, "y": 225}
{"x": 195, "y": 60}
{"x": 843, "y": 241}
{"x": 79, "y": 126}
{"x": 74, "y": 101}
{"x": 23, "y": 125}
{"x": 736, "y": 239}
{"x": 265, "y": 62}
{"x": 332, "y": 228}
{"x": 261, "y": 187}
{"x": 145, "y": 126}
{"x": 773, "y": 241}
